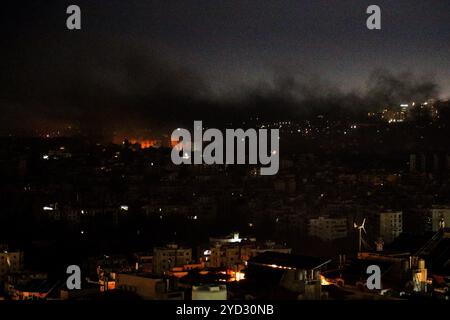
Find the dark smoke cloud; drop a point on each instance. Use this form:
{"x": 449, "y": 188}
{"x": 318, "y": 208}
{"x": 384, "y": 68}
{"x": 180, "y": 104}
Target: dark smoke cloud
{"x": 101, "y": 87}
{"x": 117, "y": 74}
{"x": 118, "y": 85}
{"x": 302, "y": 95}
{"x": 386, "y": 88}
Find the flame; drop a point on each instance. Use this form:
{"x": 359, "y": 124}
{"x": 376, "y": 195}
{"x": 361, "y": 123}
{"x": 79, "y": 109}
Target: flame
{"x": 240, "y": 276}
{"x": 235, "y": 275}
{"x": 145, "y": 143}
{"x": 324, "y": 281}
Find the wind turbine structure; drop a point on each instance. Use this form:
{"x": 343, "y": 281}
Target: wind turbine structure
{"x": 360, "y": 230}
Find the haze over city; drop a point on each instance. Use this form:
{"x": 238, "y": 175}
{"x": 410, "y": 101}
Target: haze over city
{"x": 247, "y": 152}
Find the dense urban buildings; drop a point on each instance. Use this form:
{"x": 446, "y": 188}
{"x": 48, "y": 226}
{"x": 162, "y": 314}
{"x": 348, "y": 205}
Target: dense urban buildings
{"x": 391, "y": 226}
{"x": 94, "y": 207}
{"x": 140, "y": 225}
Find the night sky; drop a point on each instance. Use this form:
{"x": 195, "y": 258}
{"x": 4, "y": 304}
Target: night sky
{"x": 134, "y": 61}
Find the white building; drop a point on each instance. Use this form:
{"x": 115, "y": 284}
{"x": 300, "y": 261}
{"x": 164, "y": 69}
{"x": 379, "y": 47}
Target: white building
{"x": 148, "y": 286}
{"x": 440, "y": 215}
{"x": 10, "y": 261}
{"x": 209, "y": 292}
{"x": 170, "y": 256}
{"x": 390, "y": 225}
{"x": 328, "y": 229}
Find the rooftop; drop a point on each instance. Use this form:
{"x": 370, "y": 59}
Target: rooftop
{"x": 288, "y": 261}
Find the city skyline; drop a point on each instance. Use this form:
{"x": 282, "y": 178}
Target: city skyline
{"x": 247, "y": 152}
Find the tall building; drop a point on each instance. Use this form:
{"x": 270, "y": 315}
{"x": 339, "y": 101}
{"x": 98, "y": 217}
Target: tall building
{"x": 328, "y": 229}
{"x": 390, "y": 225}
{"x": 225, "y": 255}
{"x": 170, "y": 256}
{"x": 440, "y": 217}
{"x": 10, "y": 261}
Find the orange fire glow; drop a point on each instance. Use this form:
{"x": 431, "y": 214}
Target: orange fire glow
{"x": 240, "y": 276}
{"x": 173, "y": 143}
{"x": 235, "y": 275}
{"x": 324, "y": 281}
{"x": 145, "y": 143}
